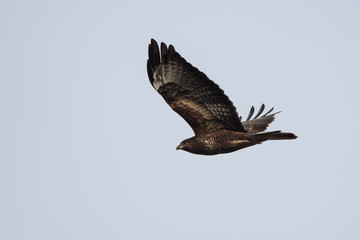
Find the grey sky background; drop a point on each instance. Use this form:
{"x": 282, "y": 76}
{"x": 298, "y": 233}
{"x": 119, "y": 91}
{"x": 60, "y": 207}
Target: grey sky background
{"x": 87, "y": 146}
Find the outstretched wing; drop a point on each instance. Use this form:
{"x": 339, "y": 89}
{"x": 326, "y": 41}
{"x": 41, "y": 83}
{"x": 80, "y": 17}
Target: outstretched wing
{"x": 189, "y": 92}
{"x": 258, "y": 124}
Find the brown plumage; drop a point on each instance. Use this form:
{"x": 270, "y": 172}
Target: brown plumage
{"x": 205, "y": 107}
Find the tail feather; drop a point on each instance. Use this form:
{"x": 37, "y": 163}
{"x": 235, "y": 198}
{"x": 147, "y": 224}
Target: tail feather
{"x": 275, "y": 135}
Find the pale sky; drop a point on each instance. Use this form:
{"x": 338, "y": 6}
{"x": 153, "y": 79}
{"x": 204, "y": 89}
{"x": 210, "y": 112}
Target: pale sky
{"x": 87, "y": 146}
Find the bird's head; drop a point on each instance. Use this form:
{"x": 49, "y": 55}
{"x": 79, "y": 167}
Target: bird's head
{"x": 189, "y": 145}
{"x": 183, "y": 145}
{"x": 195, "y": 145}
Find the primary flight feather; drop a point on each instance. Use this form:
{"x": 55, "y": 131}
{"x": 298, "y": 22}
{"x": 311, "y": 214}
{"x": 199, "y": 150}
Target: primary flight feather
{"x": 204, "y": 106}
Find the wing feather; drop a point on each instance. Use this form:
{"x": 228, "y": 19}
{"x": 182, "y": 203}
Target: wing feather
{"x": 252, "y": 109}
{"x": 259, "y": 124}
{"x": 189, "y": 92}
{"x": 260, "y": 111}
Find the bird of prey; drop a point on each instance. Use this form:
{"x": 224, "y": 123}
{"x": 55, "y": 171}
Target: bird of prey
{"x": 205, "y": 107}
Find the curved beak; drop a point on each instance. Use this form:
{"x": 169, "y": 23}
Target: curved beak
{"x": 180, "y": 146}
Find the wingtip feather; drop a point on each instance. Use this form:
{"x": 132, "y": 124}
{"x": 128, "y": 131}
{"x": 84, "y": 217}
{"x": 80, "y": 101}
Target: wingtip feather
{"x": 260, "y": 111}
{"x": 252, "y": 109}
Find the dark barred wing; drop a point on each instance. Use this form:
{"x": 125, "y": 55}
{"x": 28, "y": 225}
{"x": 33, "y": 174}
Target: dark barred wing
{"x": 189, "y": 92}
{"x": 258, "y": 124}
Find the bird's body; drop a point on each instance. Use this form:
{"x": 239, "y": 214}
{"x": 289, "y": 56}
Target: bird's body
{"x": 205, "y": 107}
{"x": 221, "y": 141}
{"x": 226, "y": 141}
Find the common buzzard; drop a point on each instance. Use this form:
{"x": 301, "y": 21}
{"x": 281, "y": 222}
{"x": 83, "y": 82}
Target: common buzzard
{"x": 205, "y": 107}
